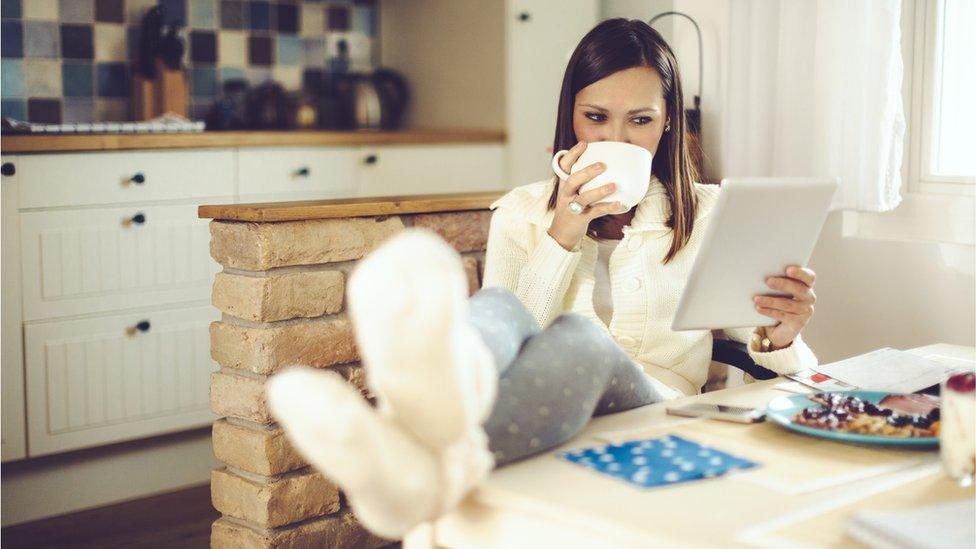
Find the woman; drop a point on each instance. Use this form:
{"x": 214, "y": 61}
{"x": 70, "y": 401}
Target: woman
{"x": 466, "y": 385}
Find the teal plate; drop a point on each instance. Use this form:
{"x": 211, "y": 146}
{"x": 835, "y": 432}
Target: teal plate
{"x": 782, "y": 410}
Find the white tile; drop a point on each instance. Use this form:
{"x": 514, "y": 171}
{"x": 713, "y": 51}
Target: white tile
{"x": 313, "y": 19}
{"x": 42, "y": 77}
{"x": 231, "y": 48}
{"x": 40, "y": 9}
{"x": 112, "y": 110}
{"x": 109, "y": 42}
{"x": 288, "y": 76}
{"x": 135, "y": 10}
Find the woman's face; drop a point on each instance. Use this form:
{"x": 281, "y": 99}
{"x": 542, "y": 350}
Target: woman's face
{"x": 626, "y": 106}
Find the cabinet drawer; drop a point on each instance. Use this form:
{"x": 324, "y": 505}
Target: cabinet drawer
{"x": 296, "y": 173}
{"x": 423, "y": 169}
{"x": 99, "y": 260}
{"x": 99, "y": 380}
{"x": 74, "y": 179}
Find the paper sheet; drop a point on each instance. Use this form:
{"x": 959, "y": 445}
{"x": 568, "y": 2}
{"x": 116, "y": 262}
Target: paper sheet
{"x": 890, "y": 370}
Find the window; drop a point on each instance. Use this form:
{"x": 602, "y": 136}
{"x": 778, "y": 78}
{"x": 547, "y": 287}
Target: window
{"x": 939, "y": 162}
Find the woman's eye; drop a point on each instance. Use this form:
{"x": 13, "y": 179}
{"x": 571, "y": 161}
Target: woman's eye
{"x": 642, "y": 120}
{"x": 596, "y": 117}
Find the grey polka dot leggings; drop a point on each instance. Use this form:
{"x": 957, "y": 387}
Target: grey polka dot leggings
{"x": 552, "y": 381}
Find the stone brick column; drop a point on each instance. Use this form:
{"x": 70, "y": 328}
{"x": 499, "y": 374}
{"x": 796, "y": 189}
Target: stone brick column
{"x": 281, "y": 292}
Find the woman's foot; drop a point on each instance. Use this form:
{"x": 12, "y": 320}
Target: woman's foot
{"x": 392, "y": 481}
{"x": 427, "y": 365}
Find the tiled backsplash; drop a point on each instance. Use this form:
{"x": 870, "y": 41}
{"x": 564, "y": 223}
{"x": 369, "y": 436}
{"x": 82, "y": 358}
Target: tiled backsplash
{"x": 70, "y": 60}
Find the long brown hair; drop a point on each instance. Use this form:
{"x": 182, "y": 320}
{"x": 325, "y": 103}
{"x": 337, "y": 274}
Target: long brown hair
{"x": 615, "y": 45}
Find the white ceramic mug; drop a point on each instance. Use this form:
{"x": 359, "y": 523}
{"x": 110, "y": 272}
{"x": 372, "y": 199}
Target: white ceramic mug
{"x": 628, "y": 165}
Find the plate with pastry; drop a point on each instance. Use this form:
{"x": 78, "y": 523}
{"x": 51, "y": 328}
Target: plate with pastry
{"x": 866, "y": 417}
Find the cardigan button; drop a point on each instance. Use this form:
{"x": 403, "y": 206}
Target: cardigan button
{"x": 627, "y": 342}
{"x": 632, "y": 285}
{"x": 634, "y": 243}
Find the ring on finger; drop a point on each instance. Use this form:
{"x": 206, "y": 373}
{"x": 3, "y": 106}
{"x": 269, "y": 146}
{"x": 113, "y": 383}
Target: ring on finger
{"x": 576, "y": 208}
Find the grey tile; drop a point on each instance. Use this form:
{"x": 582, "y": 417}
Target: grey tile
{"x": 77, "y": 11}
{"x": 78, "y": 109}
{"x": 42, "y": 39}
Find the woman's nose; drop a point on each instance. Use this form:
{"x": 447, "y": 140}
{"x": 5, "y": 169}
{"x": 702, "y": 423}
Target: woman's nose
{"x": 618, "y": 133}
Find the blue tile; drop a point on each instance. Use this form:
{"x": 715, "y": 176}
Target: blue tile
{"x": 363, "y": 20}
{"x": 10, "y": 8}
{"x": 175, "y": 11}
{"x": 203, "y": 14}
{"x": 289, "y": 50}
{"x": 313, "y": 52}
{"x": 260, "y": 15}
{"x": 203, "y": 82}
{"x": 76, "y": 78}
{"x": 231, "y": 73}
{"x": 12, "y": 78}
{"x": 113, "y": 80}
{"x": 11, "y": 39}
{"x": 42, "y": 39}
{"x": 14, "y": 108}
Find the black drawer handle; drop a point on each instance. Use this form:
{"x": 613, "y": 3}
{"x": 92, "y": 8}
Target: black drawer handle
{"x": 371, "y": 159}
{"x": 8, "y": 169}
{"x": 524, "y": 16}
{"x": 138, "y": 178}
{"x": 142, "y": 327}
{"x": 138, "y": 219}
{"x": 303, "y": 171}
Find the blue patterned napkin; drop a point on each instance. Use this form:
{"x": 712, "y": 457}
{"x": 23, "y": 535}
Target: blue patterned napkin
{"x": 666, "y": 460}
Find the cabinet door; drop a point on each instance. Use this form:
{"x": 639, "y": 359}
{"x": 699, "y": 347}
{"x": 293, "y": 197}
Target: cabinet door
{"x": 541, "y": 36}
{"x": 395, "y": 170}
{"x": 306, "y": 173}
{"x": 107, "y": 259}
{"x": 100, "y": 380}
{"x": 76, "y": 179}
{"x": 14, "y": 444}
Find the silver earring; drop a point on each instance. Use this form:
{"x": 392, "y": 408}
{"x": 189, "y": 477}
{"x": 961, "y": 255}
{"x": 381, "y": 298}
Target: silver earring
{"x": 667, "y": 128}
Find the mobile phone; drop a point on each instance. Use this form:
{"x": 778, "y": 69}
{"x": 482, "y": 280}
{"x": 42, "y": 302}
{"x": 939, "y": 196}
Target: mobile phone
{"x": 738, "y": 414}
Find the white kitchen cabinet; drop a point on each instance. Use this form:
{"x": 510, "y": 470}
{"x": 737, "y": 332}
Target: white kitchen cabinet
{"x": 84, "y": 261}
{"x": 430, "y": 169}
{"x": 14, "y": 437}
{"x": 118, "y": 377}
{"x": 540, "y": 38}
{"x": 302, "y": 173}
{"x": 79, "y": 179}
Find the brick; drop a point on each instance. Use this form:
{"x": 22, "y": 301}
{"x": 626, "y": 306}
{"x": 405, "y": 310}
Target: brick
{"x": 255, "y": 450}
{"x": 279, "y": 297}
{"x": 263, "y": 246}
{"x": 466, "y": 231}
{"x": 265, "y": 349}
{"x": 356, "y": 375}
{"x": 239, "y": 396}
{"x": 276, "y": 501}
{"x": 471, "y": 270}
{"x": 341, "y": 530}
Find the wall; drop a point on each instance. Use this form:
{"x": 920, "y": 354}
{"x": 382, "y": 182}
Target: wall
{"x": 871, "y": 293}
{"x": 72, "y": 61}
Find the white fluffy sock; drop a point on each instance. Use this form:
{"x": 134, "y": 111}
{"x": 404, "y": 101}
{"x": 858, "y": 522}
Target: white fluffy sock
{"x": 427, "y": 365}
{"x": 391, "y": 480}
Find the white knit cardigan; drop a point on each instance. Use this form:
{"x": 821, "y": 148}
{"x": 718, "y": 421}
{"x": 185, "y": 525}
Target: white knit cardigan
{"x": 550, "y": 280}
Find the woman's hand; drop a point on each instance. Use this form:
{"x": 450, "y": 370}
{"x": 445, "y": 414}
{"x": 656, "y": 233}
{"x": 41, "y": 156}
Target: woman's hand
{"x": 568, "y": 228}
{"x": 792, "y": 312}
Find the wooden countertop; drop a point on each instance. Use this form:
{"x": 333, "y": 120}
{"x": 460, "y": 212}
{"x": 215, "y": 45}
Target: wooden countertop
{"x": 15, "y": 143}
{"x": 349, "y": 207}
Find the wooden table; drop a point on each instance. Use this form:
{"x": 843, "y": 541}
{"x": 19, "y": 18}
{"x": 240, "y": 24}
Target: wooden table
{"x": 548, "y": 502}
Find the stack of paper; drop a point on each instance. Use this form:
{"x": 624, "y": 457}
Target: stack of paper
{"x": 887, "y": 370}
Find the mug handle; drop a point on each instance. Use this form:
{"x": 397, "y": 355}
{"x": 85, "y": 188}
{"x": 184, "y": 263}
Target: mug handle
{"x": 555, "y": 164}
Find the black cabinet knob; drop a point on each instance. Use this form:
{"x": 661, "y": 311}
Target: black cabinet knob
{"x": 524, "y": 16}
{"x": 303, "y": 171}
{"x": 371, "y": 159}
{"x": 8, "y": 169}
{"x": 143, "y": 326}
{"x": 139, "y": 218}
{"x": 138, "y": 178}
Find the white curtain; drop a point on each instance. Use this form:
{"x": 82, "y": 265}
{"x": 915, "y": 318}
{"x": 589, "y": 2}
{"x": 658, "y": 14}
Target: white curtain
{"x": 814, "y": 88}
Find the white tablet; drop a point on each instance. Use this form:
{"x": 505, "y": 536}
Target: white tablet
{"x": 758, "y": 227}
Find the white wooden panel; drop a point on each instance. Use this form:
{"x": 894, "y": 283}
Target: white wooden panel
{"x": 90, "y": 382}
{"x": 429, "y": 169}
{"x": 85, "y": 261}
{"x": 538, "y": 50}
{"x": 272, "y": 174}
{"x": 14, "y": 438}
{"x": 75, "y": 179}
